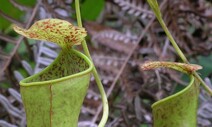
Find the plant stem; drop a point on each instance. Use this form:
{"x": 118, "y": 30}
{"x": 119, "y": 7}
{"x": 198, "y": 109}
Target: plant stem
{"x": 182, "y": 56}
{"x": 174, "y": 44}
{"x": 97, "y": 78}
{"x": 154, "y": 5}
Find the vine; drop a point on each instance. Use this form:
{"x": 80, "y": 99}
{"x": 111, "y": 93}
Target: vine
{"x": 97, "y": 78}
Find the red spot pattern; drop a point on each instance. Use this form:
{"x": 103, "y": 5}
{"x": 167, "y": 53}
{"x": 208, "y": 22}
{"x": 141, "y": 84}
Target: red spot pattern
{"x": 33, "y": 35}
{"x": 48, "y": 27}
{"x": 56, "y": 30}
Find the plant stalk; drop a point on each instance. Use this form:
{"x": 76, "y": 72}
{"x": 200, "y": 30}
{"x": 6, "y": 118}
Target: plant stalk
{"x": 154, "y": 5}
{"x": 95, "y": 73}
{"x": 182, "y": 56}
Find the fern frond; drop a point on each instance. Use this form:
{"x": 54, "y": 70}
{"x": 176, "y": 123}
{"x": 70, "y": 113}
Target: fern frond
{"x": 134, "y": 7}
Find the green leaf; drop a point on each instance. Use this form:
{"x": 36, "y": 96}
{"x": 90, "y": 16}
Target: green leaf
{"x": 53, "y": 97}
{"x": 91, "y": 9}
{"x": 205, "y": 61}
{"x": 6, "y": 7}
{"x": 180, "y": 109}
{"x": 14, "y": 12}
{"x": 54, "y": 30}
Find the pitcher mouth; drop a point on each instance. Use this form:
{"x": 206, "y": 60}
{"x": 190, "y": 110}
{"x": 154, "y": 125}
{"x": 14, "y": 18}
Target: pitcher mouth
{"x": 176, "y": 94}
{"x": 26, "y": 82}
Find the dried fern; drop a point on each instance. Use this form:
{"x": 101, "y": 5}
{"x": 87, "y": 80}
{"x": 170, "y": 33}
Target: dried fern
{"x": 135, "y": 7}
{"x": 17, "y": 113}
{"x": 111, "y": 38}
{"x": 205, "y": 108}
{"x": 186, "y": 23}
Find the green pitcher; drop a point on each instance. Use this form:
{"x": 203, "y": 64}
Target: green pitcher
{"x": 53, "y": 97}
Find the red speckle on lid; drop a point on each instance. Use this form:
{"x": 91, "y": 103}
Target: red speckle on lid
{"x": 33, "y": 35}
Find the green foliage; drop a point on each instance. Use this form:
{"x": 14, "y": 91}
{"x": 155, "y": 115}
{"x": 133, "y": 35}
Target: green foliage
{"x": 5, "y": 85}
{"x": 29, "y": 3}
{"x": 91, "y": 9}
{"x": 8, "y": 48}
{"x": 205, "y": 61}
{"x": 15, "y": 13}
{"x": 143, "y": 125}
